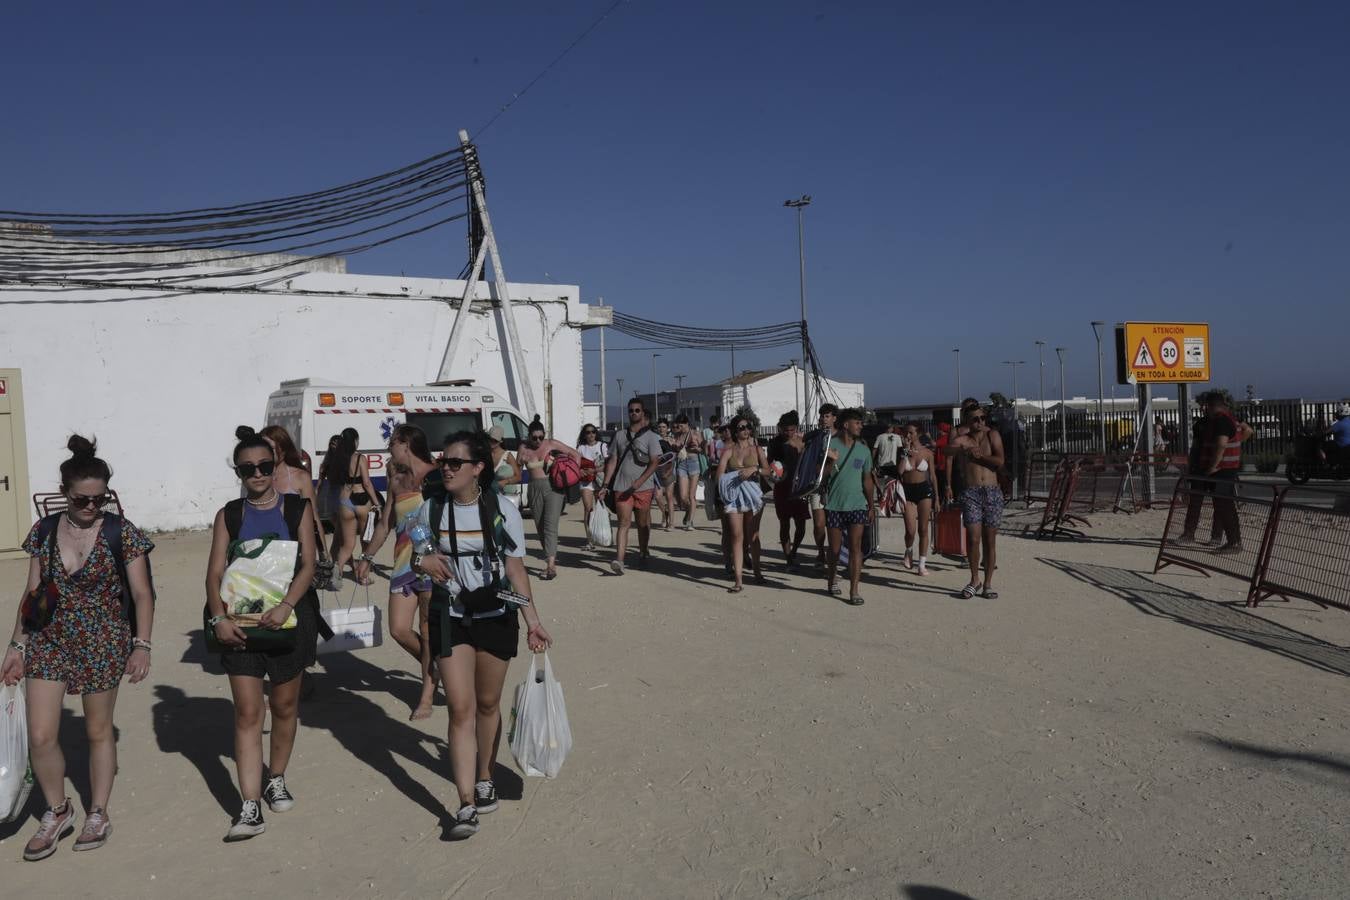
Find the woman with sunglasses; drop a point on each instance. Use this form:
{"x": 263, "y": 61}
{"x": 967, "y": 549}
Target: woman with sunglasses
{"x": 260, "y": 513}
{"x": 505, "y": 466}
{"x": 738, "y": 473}
{"x": 409, "y": 592}
{"x": 594, "y": 455}
{"x": 474, "y": 633}
{"x": 546, "y": 504}
{"x": 664, "y": 476}
{"x": 688, "y": 445}
{"x": 918, "y": 476}
{"x": 346, "y": 477}
{"x": 93, "y": 638}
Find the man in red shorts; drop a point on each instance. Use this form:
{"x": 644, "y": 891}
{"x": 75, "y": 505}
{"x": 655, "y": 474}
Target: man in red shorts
{"x": 632, "y": 463}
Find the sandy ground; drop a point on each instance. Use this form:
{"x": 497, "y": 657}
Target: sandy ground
{"x": 1095, "y": 732}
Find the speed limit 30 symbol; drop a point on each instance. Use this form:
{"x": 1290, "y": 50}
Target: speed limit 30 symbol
{"x": 1169, "y": 352}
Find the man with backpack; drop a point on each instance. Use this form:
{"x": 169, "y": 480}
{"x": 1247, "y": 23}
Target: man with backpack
{"x": 628, "y": 480}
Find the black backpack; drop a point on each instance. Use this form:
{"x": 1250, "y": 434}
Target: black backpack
{"x": 112, "y": 536}
{"x": 495, "y": 540}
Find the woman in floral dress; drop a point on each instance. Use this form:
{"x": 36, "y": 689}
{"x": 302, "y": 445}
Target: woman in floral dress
{"x": 86, "y": 647}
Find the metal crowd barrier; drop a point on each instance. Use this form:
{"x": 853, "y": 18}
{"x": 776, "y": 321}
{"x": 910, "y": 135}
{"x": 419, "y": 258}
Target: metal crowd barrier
{"x": 1307, "y": 553}
{"x": 1291, "y": 542}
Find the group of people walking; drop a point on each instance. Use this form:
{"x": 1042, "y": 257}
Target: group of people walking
{"x": 87, "y": 618}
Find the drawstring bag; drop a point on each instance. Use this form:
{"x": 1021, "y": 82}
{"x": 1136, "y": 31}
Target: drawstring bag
{"x": 540, "y": 735}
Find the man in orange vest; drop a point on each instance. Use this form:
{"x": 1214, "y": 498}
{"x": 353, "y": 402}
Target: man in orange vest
{"x": 1217, "y": 457}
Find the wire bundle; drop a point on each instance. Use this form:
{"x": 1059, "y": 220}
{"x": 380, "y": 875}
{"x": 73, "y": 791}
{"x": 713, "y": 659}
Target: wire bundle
{"x": 687, "y": 337}
{"x": 116, "y": 249}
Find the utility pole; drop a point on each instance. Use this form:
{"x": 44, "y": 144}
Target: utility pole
{"x": 1014, "y": 370}
{"x": 796, "y": 399}
{"x": 604, "y": 406}
{"x": 679, "y": 386}
{"x": 800, "y": 205}
{"x": 1040, "y": 351}
{"x": 1063, "y": 415}
{"x": 622, "y": 399}
{"x": 1101, "y": 418}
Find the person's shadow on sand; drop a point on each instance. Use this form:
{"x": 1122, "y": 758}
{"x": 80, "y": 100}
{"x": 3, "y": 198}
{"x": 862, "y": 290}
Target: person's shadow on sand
{"x": 369, "y": 732}
{"x": 202, "y": 730}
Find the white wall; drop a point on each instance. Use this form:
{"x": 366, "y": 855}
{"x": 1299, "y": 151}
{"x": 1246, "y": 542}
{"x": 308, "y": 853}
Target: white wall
{"x": 163, "y": 380}
{"x": 772, "y": 396}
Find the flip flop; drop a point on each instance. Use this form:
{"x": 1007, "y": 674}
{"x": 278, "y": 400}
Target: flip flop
{"x": 990, "y": 595}
{"x": 969, "y": 591}
{"x": 836, "y": 591}
{"x": 736, "y": 589}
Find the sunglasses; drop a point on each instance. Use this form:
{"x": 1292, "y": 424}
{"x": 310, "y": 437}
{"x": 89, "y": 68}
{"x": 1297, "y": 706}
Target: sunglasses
{"x": 453, "y": 463}
{"x": 742, "y": 427}
{"x": 246, "y": 470}
{"x": 635, "y": 412}
{"x": 81, "y": 502}
{"x": 979, "y": 418}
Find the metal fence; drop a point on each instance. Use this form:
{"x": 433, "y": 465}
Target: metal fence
{"x": 1276, "y": 424}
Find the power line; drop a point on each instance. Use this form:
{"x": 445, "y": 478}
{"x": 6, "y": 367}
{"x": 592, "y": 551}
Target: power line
{"x": 568, "y": 49}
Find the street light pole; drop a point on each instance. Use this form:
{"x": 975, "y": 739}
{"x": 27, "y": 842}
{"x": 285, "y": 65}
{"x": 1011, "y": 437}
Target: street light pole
{"x": 679, "y": 386}
{"x": 796, "y": 399}
{"x": 1063, "y": 416}
{"x": 1101, "y": 418}
{"x": 656, "y": 398}
{"x": 957, "y": 351}
{"x": 622, "y": 398}
{"x": 800, "y": 205}
{"x": 1040, "y": 351}
{"x": 1014, "y": 365}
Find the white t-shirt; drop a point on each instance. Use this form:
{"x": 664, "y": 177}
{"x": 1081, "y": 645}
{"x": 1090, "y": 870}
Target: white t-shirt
{"x": 888, "y": 448}
{"x": 597, "y": 453}
{"x": 472, "y": 568}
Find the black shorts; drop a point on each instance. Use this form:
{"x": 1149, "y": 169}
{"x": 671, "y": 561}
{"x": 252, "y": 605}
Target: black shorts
{"x": 499, "y": 635}
{"x": 918, "y": 492}
{"x": 281, "y": 666}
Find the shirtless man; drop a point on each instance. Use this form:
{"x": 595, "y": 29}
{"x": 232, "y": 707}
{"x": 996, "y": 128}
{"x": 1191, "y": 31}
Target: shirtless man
{"x": 980, "y": 452}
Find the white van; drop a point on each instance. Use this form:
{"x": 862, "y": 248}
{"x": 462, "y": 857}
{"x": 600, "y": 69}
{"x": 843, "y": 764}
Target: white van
{"x": 312, "y": 411}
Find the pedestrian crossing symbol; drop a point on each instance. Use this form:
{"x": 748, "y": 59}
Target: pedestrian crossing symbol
{"x": 1143, "y": 357}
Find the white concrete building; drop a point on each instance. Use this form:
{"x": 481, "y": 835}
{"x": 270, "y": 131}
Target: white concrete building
{"x": 162, "y": 377}
{"x": 770, "y": 393}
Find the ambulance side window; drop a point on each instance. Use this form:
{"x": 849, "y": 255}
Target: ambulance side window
{"x": 513, "y": 429}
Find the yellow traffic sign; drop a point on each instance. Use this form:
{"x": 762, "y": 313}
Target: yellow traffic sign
{"x": 1162, "y": 352}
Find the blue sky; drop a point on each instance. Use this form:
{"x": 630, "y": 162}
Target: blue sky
{"x": 984, "y": 175}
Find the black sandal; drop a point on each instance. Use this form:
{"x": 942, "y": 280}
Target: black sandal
{"x": 969, "y": 591}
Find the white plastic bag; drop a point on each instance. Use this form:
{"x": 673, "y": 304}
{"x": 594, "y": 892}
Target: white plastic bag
{"x": 258, "y": 579}
{"x": 16, "y": 782}
{"x": 540, "y": 736}
{"x": 598, "y": 528}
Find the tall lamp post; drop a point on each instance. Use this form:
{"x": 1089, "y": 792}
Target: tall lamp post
{"x": 800, "y": 205}
{"x": 1063, "y": 415}
{"x": 957, "y": 351}
{"x": 679, "y": 386}
{"x": 1040, "y": 352}
{"x": 796, "y": 398}
{"x": 1020, "y": 362}
{"x": 1101, "y": 417}
{"x": 622, "y": 398}
{"x": 656, "y": 398}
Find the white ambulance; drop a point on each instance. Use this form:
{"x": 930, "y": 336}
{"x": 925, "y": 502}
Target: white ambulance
{"x": 313, "y": 410}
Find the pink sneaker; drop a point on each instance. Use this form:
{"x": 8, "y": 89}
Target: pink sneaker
{"x": 95, "y": 832}
{"x": 56, "y": 824}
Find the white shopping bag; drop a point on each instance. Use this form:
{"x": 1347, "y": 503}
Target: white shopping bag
{"x": 354, "y": 628}
{"x": 371, "y": 518}
{"x": 598, "y": 528}
{"x": 16, "y": 780}
{"x": 540, "y": 736}
{"x": 258, "y": 578}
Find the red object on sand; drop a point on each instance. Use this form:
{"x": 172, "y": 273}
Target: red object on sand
{"x": 951, "y": 534}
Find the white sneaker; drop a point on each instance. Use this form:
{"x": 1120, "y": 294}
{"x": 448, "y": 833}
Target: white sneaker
{"x": 248, "y": 824}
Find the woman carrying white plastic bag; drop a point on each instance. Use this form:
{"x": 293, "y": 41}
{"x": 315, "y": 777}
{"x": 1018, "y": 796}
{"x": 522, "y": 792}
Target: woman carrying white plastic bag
{"x": 540, "y": 735}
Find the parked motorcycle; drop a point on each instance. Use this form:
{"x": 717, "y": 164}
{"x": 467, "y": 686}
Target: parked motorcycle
{"x": 1315, "y": 456}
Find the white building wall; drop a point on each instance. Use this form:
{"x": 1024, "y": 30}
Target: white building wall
{"x": 772, "y": 396}
{"x": 162, "y": 380}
